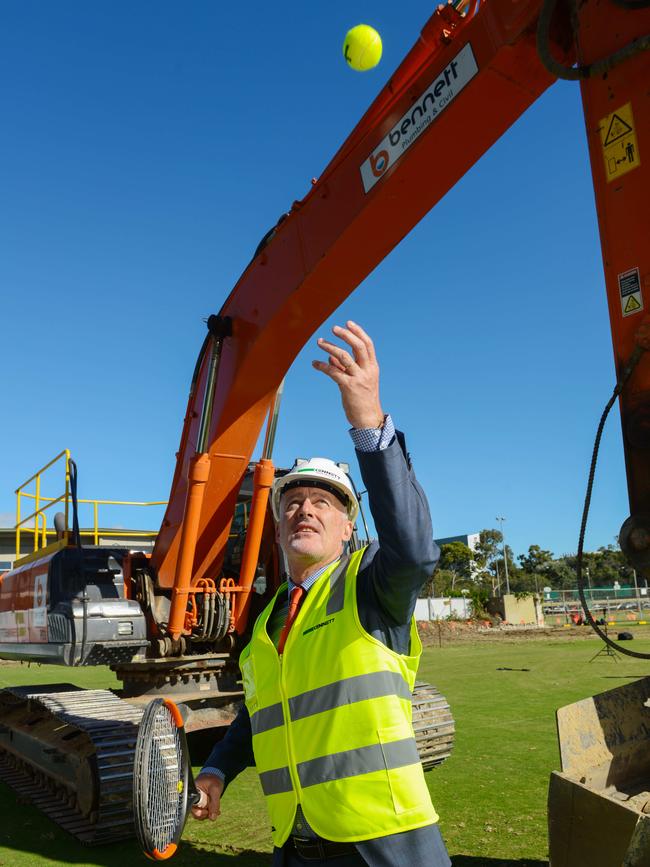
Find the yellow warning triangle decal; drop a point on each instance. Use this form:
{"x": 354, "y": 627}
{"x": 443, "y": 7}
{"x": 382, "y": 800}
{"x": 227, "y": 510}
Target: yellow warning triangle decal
{"x": 632, "y": 304}
{"x": 617, "y": 128}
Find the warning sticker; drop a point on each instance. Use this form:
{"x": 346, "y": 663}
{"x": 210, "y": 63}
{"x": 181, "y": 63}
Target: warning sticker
{"x": 629, "y": 284}
{"x": 39, "y": 612}
{"x": 620, "y": 148}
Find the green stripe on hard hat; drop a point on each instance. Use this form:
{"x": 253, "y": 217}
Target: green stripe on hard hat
{"x": 319, "y": 470}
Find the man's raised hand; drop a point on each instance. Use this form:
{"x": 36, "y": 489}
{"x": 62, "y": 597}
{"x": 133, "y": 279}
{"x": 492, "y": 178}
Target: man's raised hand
{"x": 356, "y": 373}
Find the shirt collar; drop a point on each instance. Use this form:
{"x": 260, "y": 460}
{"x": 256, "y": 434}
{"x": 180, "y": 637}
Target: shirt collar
{"x": 309, "y": 582}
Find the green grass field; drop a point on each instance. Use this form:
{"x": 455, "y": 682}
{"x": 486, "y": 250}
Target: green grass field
{"x": 491, "y": 793}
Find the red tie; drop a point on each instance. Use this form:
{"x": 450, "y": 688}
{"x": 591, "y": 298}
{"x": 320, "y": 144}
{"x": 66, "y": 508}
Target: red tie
{"x": 296, "y": 598}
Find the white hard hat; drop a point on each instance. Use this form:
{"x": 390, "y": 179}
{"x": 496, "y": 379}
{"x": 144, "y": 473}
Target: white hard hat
{"x": 316, "y": 473}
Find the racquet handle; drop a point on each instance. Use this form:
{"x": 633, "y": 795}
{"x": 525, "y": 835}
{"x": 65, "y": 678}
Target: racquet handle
{"x": 198, "y": 799}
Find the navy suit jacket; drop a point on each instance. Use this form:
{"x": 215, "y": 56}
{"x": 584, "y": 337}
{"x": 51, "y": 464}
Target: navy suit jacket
{"x": 392, "y": 572}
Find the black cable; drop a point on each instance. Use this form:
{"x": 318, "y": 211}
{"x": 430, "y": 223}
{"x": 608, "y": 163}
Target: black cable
{"x": 359, "y": 495}
{"x": 625, "y": 375}
{"x": 199, "y": 361}
{"x": 268, "y": 237}
{"x": 76, "y": 535}
{"x": 575, "y": 73}
{"x": 84, "y": 631}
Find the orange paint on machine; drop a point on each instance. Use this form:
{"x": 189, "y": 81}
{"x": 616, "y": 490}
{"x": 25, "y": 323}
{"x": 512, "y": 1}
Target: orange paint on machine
{"x": 23, "y": 604}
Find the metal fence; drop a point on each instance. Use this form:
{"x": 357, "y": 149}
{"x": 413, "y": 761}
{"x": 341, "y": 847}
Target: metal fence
{"x": 560, "y": 607}
{"x": 600, "y": 599}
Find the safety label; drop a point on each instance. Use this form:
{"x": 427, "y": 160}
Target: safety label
{"x": 620, "y": 148}
{"x": 39, "y": 614}
{"x": 629, "y": 284}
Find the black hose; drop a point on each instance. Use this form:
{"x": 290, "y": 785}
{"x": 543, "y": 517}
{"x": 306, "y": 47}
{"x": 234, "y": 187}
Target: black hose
{"x": 359, "y": 495}
{"x": 575, "y": 73}
{"x": 625, "y": 375}
{"x": 76, "y": 535}
{"x": 199, "y": 361}
{"x": 84, "y": 630}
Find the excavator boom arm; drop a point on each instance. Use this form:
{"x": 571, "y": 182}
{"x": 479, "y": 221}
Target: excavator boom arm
{"x": 464, "y": 83}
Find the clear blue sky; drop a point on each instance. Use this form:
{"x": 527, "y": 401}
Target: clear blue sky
{"x": 147, "y": 146}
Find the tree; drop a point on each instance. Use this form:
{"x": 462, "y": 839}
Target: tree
{"x": 457, "y": 559}
{"x": 487, "y": 549}
{"x": 482, "y": 569}
{"x": 486, "y": 558}
{"x": 562, "y": 574}
{"x": 512, "y": 566}
{"x": 522, "y": 582}
{"x": 537, "y": 560}
{"x": 500, "y": 572}
{"x": 610, "y": 565}
{"x": 535, "y": 568}
{"x": 600, "y": 568}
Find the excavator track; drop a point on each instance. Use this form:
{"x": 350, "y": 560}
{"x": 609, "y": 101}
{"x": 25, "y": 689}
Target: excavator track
{"x": 433, "y": 725}
{"x": 70, "y": 752}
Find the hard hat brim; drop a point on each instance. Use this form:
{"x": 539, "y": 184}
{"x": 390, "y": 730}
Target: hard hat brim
{"x": 316, "y": 483}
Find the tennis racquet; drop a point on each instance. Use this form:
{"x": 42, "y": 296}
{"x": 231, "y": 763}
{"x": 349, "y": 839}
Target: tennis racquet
{"x": 163, "y": 785}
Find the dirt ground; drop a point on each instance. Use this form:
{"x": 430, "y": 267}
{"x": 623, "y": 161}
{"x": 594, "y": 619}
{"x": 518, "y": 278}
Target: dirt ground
{"x": 439, "y": 632}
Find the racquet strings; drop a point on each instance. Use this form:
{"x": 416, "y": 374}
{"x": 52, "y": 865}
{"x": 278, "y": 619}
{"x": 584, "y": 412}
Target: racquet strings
{"x": 160, "y": 790}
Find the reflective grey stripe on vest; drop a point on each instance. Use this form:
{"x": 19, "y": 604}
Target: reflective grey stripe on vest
{"x": 267, "y": 718}
{"x": 276, "y": 782}
{"x": 348, "y": 691}
{"x": 351, "y": 763}
{"x": 337, "y": 587}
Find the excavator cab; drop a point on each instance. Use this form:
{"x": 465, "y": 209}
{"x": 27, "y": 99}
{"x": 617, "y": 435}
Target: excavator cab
{"x": 70, "y": 608}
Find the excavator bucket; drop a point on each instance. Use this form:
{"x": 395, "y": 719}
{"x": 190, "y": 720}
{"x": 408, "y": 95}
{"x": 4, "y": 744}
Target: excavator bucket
{"x": 599, "y": 804}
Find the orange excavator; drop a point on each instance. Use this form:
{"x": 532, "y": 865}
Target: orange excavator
{"x": 179, "y": 616}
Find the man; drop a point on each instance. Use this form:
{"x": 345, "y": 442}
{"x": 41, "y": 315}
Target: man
{"x": 330, "y": 668}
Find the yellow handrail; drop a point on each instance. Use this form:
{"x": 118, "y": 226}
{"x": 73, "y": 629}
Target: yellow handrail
{"x": 42, "y": 503}
{"x": 39, "y": 512}
{"x": 40, "y": 472}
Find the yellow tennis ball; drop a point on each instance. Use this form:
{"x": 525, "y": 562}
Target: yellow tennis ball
{"x": 362, "y": 47}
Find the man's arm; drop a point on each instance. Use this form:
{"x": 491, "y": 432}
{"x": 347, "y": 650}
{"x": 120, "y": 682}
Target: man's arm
{"x": 229, "y": 757}
{"x": 234, "y": 753}
{"x": 392, "y": 574}
{"x": 407, "y": 554}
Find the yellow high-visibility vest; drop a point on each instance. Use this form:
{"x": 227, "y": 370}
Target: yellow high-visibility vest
{"x": 331, "y": 719}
